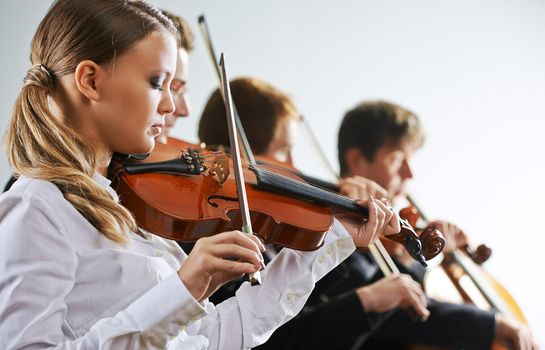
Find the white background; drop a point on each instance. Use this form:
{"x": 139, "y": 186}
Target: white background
{"x": 474, "y": 71}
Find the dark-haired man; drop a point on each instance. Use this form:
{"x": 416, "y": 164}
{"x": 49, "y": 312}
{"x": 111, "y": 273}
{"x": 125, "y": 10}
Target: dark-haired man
{"x": 377, "y": 140}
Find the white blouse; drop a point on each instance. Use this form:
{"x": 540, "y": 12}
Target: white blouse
{"x": 64, "y": 285}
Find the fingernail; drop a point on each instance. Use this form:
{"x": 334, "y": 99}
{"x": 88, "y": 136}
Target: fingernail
{"x": 262, "y": 265}
{"x": 372, "y": 199}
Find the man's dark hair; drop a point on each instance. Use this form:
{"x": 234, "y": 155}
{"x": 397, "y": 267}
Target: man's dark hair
{"x": 371, "y": 125}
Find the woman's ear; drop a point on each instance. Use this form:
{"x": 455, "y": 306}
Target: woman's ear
{"x": 86, "y": 75}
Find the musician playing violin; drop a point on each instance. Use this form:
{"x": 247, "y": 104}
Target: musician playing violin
{"x": 182, "y": 105}
{"x": 377, "y": 140}
{"x": 268, "y": 116}
{"x": 77, "y": 271}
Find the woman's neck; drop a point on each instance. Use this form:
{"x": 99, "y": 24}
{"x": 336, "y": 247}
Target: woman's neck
{"x": 104, "y": 157}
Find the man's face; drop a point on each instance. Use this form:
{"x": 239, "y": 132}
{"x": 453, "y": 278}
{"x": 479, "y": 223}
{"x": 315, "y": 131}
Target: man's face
{"x": 390, "y": 167}
{"x": 282, "y": 142}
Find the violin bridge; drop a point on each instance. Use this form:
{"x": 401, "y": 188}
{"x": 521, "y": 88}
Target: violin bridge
{"x": 218, "y": 167}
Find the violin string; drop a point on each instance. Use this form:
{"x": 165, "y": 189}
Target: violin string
{"x": 307, "y": 186}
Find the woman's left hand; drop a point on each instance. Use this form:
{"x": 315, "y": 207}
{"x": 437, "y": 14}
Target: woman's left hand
{"x": 382, "y": 221}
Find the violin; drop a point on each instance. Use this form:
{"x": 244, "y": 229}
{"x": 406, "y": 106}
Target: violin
{"x": 284, "y": 209}
{"x": 190, "y": 147}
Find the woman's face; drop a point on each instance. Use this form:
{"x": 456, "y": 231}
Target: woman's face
{"x": 180, "y": 98}
{"x": 135, "y": 96}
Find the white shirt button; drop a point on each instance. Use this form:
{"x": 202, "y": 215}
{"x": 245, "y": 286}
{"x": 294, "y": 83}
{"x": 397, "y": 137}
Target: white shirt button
{"x": 329, "y": 250}
{"x": 290, "y": 296}
{"x": 159, "y": 253}
{"x": 321, "y": 259}
{"x": 340, "y": 244}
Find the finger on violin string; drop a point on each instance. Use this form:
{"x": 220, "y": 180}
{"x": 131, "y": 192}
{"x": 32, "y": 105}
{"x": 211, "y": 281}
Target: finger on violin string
{"x": 385, "y": 214}
{"x": 382, "y": 217}
{"x": 373, "y": 213}
{"x": 368, "y": 229}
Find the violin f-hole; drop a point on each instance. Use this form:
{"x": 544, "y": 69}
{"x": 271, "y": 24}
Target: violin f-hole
{"x": 225, "y": 198}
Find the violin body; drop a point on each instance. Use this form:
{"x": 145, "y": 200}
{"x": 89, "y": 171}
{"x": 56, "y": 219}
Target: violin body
{"x": 188, "y": 207}
{"x": 182, "y": 144}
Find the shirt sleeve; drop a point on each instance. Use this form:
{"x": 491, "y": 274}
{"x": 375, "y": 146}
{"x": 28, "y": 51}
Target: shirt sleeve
{"x": 37, "y": 268}
{"x": 250, "y": 318}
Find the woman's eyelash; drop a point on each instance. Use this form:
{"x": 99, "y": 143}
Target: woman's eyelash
{"x": 156, "y": 84}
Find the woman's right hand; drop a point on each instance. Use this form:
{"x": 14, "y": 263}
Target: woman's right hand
{"x": 218, "y": 259}
{"x": 394, "y": 291}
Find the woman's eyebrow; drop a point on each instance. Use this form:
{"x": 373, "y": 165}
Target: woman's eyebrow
{"x": 162, "y": 71}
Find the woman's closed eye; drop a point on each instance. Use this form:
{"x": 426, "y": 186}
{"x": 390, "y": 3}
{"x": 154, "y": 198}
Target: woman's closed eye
{"x": 156, "y": 83}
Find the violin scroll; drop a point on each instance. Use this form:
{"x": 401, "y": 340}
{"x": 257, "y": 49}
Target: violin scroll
{"x": 431, "y": 238}
{"x": 479, "y": 255}
{"x": 420, "y": 248}
{"x": 433, "y": 242}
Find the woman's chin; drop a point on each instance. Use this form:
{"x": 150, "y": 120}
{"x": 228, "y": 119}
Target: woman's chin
{"x": 143, "y": 148}
{"x": 149, "y": 146}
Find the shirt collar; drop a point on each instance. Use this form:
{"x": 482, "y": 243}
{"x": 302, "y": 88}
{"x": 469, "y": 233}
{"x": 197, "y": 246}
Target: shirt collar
{"x": 105, "y": 183}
